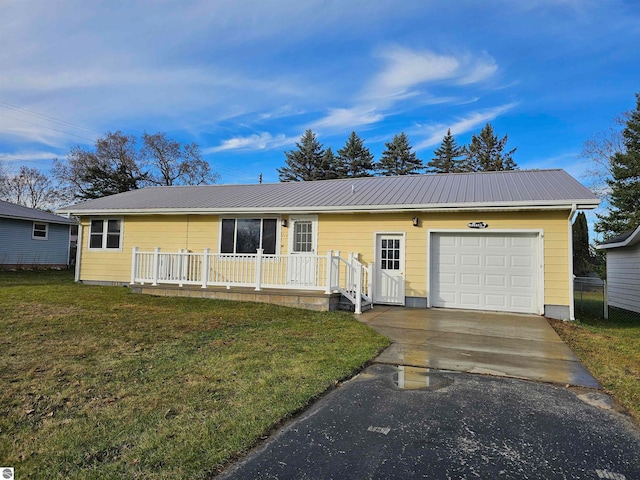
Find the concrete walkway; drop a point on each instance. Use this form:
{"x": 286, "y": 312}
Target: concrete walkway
{"x": 501, "y": 344}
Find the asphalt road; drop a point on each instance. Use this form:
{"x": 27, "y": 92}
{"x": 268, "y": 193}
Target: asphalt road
{"x": 461, "y": 426}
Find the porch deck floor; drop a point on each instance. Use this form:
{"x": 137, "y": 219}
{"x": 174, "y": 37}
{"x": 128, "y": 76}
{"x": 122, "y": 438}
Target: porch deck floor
{"x": 307, "y": 299}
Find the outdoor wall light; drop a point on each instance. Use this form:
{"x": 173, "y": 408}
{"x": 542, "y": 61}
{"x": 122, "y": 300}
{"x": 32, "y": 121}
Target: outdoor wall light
{"x": 415, "y": 221}
{"x": 283, "y": 222}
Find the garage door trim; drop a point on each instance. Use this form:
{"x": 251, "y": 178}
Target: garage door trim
{"x": 539, "y": 233}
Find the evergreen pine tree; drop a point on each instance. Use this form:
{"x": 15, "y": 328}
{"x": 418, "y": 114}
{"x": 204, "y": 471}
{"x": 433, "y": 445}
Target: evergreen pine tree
{"x": 306, "y": 162}
{"x": 486, "y": 153}
{"x": 329, "y": 167}
{"x": 398, "y": 159}
{"x": 582, "y": 260}
{"x": 354, "y": 159}
{"x": 448, "y": 157}
{"x": 624, "y": 211}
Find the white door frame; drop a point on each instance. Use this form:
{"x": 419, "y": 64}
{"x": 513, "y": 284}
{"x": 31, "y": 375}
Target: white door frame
{"x": 301, "y": 267}
{"x": 376, "y": 271}
{"x": 539, "y": 232}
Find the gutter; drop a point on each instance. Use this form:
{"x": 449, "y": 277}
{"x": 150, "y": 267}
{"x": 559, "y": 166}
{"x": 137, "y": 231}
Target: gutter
{"x": 457, "y": 207}
{"x": 570, "y": 237}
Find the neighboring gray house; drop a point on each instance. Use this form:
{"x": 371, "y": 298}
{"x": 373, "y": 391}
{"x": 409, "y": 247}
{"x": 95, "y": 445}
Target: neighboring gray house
{"x": 623, "y": 270}
{"x": 33, "y": 238}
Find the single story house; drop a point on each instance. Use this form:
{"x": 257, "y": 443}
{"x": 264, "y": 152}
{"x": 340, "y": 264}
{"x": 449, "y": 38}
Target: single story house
{"x": 623, "y": 270}
{"x": 32, "y": 238}
{"x": 497, "y": 241}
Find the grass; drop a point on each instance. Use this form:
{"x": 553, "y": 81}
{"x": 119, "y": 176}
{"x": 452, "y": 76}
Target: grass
{"x": 610, "y": 349}
{"x": 99, "y": 383}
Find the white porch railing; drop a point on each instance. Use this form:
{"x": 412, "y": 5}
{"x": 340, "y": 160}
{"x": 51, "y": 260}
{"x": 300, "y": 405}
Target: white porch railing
{"x": 328, "y": 273}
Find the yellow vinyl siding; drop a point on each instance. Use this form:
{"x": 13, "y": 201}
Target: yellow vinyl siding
{"x": 169, "y": 232}
{"x": 355, "y": 233}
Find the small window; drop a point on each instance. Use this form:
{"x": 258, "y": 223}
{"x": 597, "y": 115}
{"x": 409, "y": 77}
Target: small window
{"x": 105, "y": 234}
{"x": 40, "y": 231}
{"x": 246, "y": 235}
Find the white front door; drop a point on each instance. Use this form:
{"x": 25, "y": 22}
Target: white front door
{"x": 389, "y": 281}
{"x": 303, "y": 244}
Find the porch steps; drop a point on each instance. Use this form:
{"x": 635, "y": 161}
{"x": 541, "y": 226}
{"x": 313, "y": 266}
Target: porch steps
{"x": 345, "y": 305}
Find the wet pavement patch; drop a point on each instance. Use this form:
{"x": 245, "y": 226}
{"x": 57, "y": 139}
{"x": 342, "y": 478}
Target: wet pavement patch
{"x": 417, "y": 378}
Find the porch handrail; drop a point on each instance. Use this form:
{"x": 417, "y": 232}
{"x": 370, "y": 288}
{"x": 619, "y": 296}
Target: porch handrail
{"x": 328, "y": 273}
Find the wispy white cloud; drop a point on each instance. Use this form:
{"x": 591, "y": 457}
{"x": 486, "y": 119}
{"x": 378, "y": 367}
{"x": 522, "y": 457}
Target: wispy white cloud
{"x": 435, "y": 133}
{"x": 407, "y": 75}
{"x": 406, "y": 69}
{"x": 263, "y": 141}
{"x": 348, "y": 118}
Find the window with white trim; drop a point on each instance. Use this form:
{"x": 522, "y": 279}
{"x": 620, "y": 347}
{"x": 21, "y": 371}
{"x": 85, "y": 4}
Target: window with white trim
{"x": 105, "y": 233}
{"x": 246, "y": 235}
{"x": 40, "y": 231}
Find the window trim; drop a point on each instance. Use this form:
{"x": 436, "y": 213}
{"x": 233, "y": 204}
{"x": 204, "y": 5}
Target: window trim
{"x": 105, "y": 226}
{"x": 46, "y": 231}
{"x": 235, "y": 232}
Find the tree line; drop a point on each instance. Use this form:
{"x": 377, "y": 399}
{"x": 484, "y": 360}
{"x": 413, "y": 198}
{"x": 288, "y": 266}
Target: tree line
{"x": 311, "y": 161}
{"x": 117, "y": 163}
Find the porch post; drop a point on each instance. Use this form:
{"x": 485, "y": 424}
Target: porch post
{"x": 134, "y": 264}
{"x": 329, "y": 272}
{"x": 181, "y": 270}
{"x": 205, "y": 268}
{"x": 358, "y": 292}
{"x": 259, "y": 268}
{"x": 156, "y": 265}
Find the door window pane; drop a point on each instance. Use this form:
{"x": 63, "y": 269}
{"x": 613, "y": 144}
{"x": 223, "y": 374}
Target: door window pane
{"x": 390, "y": 254}
{"x": 303, "y": 236}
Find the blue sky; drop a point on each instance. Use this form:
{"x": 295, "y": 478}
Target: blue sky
{"x": 245, "y": 79}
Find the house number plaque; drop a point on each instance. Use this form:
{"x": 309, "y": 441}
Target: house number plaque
{"x": 477, "y": 225}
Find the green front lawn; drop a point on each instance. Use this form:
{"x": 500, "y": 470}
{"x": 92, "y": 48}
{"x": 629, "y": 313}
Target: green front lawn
{"x": 99, "y": 383}
{"x": 610, "y": 349}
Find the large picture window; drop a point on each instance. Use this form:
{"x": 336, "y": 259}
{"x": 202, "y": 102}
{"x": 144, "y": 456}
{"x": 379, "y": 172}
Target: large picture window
{"x": 246, "y": 235}
{"x": 105, "y": 234}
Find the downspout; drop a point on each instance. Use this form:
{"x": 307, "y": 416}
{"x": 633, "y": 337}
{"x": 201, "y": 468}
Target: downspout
{"x": 571, "y": 301}
{"x": 79, "y": 245}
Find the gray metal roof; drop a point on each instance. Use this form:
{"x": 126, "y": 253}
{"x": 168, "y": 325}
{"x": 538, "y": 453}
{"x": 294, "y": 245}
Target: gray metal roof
{"x": 519, "y": 188}
{"x": 18, "y": 212}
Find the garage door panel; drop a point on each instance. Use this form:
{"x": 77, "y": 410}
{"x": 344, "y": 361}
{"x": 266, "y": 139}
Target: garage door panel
{"x": 469, "y": 241}
{"x": 495, "y": 280}
{"x": 470, "y": 260}
{"x": 495, "y": 260}
{"x": 497, "y": 302}
{"x": 471, "y": 280}
{"x": 498, "y": 242}
{"x": 485, "y": 271}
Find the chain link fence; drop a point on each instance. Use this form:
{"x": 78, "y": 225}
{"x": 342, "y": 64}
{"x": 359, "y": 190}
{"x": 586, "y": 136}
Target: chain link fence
{"x": 590, "y": 296}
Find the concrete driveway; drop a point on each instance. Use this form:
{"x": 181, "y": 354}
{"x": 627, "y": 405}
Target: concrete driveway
{"x": 501, "y": 344}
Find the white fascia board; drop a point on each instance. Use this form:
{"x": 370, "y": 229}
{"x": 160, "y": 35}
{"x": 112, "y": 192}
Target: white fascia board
{"x": 552, "y": 205}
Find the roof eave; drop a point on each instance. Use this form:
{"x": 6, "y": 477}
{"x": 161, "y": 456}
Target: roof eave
{"x": 628, "y": 242}
{"x": 545, "y": 205}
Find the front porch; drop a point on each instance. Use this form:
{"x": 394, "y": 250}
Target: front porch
{"x": 315, "y": 282}
{"x": 307, "y": 299}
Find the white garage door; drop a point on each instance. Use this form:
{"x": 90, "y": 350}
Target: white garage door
{"x": 485, "y": 271}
